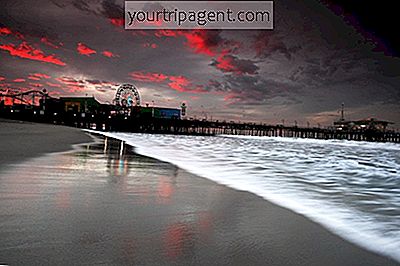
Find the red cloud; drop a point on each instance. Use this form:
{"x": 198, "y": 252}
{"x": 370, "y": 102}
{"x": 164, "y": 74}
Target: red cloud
{"x": 5, "y": 31}
{"x": 109, "y": 54}
{"x": 72, "y": 84}
{"x": 4, "y": 85}
{"x": 75, "y": 85}
{"x": 150, "y": 45}
{"x": 139, "y": 33}
{"x": 166, "y": 33}
{"x": 35, "y": 85}
{"x": 119, "y": 22}
{"x": 178, "y": 83}
{"x": 40, "y": 75}
{"x": 24, "y": 50}
{"x": 19, "y": 36}
{"x": 232, "y": 98}
{"x": 53, "y": 85}
{"x": 47, "y": 42}
{"x": 199, "y": 41}
{"x": 96, "y": 82}
{"x": 226, "y": 64}
{"x": 148, "y": 77}
{"x": 84, "y": 50}
{"x": 33, "y": 78}
{"x": 2, "y": 78}
{"x": 76, "y": 88}
{"x": 19, "y": 80}
{"x": 230, "y": 63}
{"x": 68, "y": 80}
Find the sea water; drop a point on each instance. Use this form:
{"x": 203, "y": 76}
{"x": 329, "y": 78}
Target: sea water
{"x": 351, "y": 188}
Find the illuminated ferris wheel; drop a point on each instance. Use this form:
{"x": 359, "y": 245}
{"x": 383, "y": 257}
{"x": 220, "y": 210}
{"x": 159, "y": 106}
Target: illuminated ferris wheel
{"x": 127, "y": 95}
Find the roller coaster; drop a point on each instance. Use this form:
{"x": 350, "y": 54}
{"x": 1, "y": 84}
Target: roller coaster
{"x": 26, "y": 97}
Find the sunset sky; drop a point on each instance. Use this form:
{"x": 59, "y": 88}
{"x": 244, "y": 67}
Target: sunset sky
{"x": 319, "y": 55}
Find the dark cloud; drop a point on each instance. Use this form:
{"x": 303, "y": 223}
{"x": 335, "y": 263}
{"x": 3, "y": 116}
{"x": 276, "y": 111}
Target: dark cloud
{"x": 81, "y": 5}
{"x": 232, "y": 64}
{"x": 112, "y": 10}
{"x": 94, "y": 81}
{"x": 252, "y": 90}
{"x": 267, "y": 43}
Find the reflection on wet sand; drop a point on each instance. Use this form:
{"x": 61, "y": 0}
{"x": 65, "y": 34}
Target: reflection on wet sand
{"x": 101, "y": 203}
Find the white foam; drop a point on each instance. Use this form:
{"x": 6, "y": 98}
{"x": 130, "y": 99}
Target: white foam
{"x": 344, "y": 142}
{"x": 276, "y": 169}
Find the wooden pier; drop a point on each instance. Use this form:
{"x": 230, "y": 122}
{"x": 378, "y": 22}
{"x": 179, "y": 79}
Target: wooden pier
{"x": 125, "y": 123}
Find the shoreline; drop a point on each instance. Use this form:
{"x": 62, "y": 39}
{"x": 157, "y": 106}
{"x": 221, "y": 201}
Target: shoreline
{"x": 245, "y": 227}
{"x": 267, "y": 201}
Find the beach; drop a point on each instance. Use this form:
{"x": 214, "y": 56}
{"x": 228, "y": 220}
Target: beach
{"x": 104, "y": 204}
{"x": 23, "y": 140}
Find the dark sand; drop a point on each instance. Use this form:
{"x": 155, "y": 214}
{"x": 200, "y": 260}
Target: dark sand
{"x": 103, "y": 204}
{"x": 22, "y": 140}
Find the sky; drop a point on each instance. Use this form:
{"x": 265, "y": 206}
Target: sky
{"x": 320, "y": 54}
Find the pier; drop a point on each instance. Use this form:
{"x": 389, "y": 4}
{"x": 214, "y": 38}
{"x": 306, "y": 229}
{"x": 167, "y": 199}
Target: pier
{"x": 87, "y": 113}
{"x": 124, "y": 123}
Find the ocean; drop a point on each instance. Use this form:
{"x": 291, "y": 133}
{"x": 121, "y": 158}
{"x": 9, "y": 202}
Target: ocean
{"x": 351, "y": 188}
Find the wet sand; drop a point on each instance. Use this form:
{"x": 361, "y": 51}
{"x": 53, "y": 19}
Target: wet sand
{"x": 104, "y": 204}
{"x": 22, "y": 140}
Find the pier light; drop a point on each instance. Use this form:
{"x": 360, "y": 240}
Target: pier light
{"x": 74, "y": 114}
{"x": 12, "y": 111}
{"x": 34, "y": 112}
{"x": 92, "y": 116}
{"x": 55, "y": 113}
{"x": 109, "y": 116}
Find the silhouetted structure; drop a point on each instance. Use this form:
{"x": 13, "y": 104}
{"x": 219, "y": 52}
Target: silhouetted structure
{"x": 365, "y": 124}
{"x": 87, "y": 112}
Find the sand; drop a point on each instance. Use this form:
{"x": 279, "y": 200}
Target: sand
{"x": 104, "y": 204}
{"x": 22, "y": 140}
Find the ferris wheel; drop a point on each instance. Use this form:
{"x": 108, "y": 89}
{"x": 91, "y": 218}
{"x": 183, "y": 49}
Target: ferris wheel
{"x": 127, "y": 95}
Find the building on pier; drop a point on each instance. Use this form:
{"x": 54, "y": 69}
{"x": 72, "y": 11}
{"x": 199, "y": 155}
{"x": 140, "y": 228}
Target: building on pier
{"x": 79, "y": 104}
{"x": 126, "y": 103}
{"x": 360, "y": 125}
{"x": 158, "y": 112}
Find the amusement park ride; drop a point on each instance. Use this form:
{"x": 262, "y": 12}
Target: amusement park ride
{"x": 127, "y": 95}
{"x": 28, "y": 98}
{"x": 126, "y": 101}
